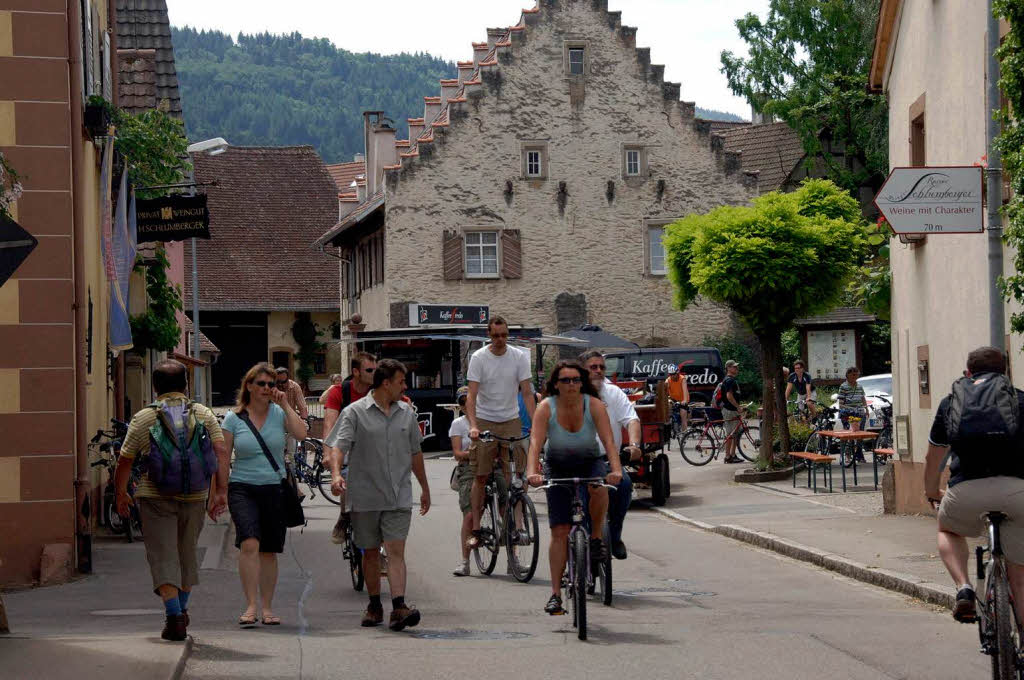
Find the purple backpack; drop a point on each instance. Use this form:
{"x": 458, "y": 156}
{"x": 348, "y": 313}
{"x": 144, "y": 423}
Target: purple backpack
{"x": 181, "y": 458}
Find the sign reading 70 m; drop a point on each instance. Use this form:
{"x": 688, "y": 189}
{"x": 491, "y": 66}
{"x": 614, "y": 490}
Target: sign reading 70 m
{"x": 936, "y": 200}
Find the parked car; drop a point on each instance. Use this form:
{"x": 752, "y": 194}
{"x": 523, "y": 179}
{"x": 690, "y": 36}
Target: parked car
{"x": 875, "y": 386}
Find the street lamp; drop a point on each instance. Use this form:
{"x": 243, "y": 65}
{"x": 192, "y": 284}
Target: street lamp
{"x": 214, "y": 147}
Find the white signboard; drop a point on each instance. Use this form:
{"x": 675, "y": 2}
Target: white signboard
{"x": 830, "y": 353}
{"x": 934, "y": 200}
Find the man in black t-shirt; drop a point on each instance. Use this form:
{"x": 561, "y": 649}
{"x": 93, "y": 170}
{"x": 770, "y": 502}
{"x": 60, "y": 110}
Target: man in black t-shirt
{"x": 731, "y": 409}
{"x": 978, "y": 483}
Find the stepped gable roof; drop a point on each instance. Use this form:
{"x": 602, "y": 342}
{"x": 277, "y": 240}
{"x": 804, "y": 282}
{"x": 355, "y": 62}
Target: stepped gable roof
{"x": 268, "y": 205}
{"x": 772, "y": 149}
{"x": 205, "y": 345}
{"x": 839, "y": 315}
{"x": 720, "y": 125}
{"x": 344, "y": 174}
{"x": 136, "y": 80}
{"x": 144, "y": 25}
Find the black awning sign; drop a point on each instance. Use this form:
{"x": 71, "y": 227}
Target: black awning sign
{"x": 15, "y": 246}
{"x": 172, "y": 218}
{"x": 428, "y": 315}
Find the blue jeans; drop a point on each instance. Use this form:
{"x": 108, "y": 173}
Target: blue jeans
{"x": 618, "y": 506}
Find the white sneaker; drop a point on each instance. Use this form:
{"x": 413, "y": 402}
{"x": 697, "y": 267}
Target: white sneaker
{"x": 462, "y": 569}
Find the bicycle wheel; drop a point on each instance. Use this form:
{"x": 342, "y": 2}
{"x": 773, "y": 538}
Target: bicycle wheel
{"x": 603, "y": 577}
{"x": 486, "y": 553}
{"x": 748, "y": 443}
{"x": 814, "y": 443}
{"x": 701, "y": 449}
{"x": 579, "y": 590}
{"x": 114, "y": 520}
{"x": 523, "y": 554}
{"x": 884, "y": 440}
{"x": 659, "y": 480}
{"x": 322, "y": 476}
{"x": 355, "y": 561}
{"x": 129, "y": 528}
{"x": 1005, "y": 659}
{"x": 848, "y": 452}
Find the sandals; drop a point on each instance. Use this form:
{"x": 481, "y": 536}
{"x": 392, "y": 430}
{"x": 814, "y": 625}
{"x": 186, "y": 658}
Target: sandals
{"x": 271, "y": 621}
{"x": 247, "y": 620}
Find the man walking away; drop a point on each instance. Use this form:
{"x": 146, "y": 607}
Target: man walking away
{"x": 729, "y": 395}
{"x": 496, "y": 373}
{"x": 181, "y": 447}
{"x": 293, "y": 393}
{"x": 380, "y": 439}
{"x": 363, "y": 364}
{"x": 978, "y": 424}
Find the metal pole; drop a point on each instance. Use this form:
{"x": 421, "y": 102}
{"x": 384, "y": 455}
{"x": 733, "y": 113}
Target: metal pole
{"x": 997, "y": 330}
{"x": 198, "y": 372}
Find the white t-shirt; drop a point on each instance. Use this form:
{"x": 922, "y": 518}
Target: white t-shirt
{"x": 498, "y": 378}
{"x": 620, "y": 412}
{"x": 460, "y": 428}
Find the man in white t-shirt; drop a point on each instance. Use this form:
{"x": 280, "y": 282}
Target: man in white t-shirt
{"x": 622, "y": 414}
{"x": 497, "y": 373}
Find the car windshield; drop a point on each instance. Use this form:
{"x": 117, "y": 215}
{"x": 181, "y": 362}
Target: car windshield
{"x": 881, "y": 384}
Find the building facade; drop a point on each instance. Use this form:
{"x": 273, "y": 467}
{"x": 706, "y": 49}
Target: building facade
{"x": 539, "y": 181}
{"x": 937, "y": 116}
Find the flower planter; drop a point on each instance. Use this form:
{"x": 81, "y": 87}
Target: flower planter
{"x": 752, "y": 476}
{"x": 96, "y": 119}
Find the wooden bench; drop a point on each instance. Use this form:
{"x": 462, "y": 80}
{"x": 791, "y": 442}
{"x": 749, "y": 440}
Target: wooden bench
{"x": 813, "y": 461}
{"x": 884, "y": 454}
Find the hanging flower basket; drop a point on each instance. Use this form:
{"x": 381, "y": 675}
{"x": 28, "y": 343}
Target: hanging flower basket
{"x": 97, "y": 119}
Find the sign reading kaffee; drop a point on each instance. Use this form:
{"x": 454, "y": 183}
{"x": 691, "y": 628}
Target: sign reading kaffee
{"x": 936, "y": 200}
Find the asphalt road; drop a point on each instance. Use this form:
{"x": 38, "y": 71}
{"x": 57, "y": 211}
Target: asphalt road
{"x": 687, "y": 604}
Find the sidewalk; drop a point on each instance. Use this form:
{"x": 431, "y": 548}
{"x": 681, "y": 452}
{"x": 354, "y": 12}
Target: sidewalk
{"x": 843, "y": 532}
{"x": 105, "y": 625}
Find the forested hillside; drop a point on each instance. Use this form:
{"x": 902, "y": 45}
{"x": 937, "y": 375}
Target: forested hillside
{"x": 285, "y": 89}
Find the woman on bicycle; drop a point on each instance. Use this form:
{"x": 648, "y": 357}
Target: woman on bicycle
{"x": 567, "y": 425}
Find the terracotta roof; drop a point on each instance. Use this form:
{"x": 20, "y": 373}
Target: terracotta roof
{"x": 136, "y": 80}
{"x": 143, "y": 25}
{"x": 204, "y": 342}
{"x": 268, "y": 205}
{"x": 344, "y": 174}
{"x": 838, "y": 315}
{"x": 773, "y": 150}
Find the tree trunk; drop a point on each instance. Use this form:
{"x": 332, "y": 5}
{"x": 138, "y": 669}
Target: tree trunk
{"x": 773, "y": 396}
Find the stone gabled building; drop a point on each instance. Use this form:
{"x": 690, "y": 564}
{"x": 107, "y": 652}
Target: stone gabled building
{"x": 539, "y": 182}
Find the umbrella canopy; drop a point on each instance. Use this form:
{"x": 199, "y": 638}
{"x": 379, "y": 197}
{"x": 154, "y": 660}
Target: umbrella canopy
{"x": 597, "y": 338}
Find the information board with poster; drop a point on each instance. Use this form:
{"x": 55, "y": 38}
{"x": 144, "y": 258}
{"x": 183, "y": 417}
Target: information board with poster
{"x": 831, "y": 352}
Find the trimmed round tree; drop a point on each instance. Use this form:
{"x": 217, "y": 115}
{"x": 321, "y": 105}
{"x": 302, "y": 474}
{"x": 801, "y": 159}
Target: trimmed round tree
{"x": 784, "y": 257}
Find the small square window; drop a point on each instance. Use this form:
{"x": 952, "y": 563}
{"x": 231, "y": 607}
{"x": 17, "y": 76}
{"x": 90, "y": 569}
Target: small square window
{"x": 576, "y": 63}
{"x": 534, "y": 166}
{"x": 482, "y": 254}
{"x": 633, "y": 162}
{"x": 656, "y": 249}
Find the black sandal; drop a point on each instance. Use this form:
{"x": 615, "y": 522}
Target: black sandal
{"x": 554, "y": 605}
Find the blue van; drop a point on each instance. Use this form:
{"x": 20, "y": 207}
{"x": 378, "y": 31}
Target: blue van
{"x": 703, "y": 366}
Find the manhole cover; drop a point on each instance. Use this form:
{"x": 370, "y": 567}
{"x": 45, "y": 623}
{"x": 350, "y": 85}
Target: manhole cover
{"x": 469, "y": 635}
{"x": 674, "y": 587}
{"x": 127, "y": 612}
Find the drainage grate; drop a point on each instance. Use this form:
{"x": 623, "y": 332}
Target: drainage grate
{"x": 460, "y": 634}
{"x": 674, "y": 587}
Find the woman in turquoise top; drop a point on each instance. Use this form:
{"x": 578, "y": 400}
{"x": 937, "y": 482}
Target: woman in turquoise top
{"x": 569, "y": 422}
{"x": 254, "y": 488}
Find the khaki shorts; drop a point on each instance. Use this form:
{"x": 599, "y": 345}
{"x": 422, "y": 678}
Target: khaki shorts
{"x": 732, "y": 421}
{"x": 482, "y": 454}
{"x": 170, "y": 530}
{"x": 373, "y": 527}
{"x": 964, "y": 504}
{"x": 465, "y": 481}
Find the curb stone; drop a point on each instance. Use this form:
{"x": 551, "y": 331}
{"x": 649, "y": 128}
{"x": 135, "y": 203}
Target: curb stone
{"x": 905, "y": 584}
{"x": 179, "y": 668}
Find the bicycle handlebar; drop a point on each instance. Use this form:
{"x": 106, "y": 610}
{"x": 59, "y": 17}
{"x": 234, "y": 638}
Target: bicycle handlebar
{"x": 561, "y": 482}
{"x": 489, "y": 436}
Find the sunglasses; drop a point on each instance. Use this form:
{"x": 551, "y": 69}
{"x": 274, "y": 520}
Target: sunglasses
{"x": 571, "y": 381}
{"x": 597, "y": 367}
{"x": 264, "y": 383}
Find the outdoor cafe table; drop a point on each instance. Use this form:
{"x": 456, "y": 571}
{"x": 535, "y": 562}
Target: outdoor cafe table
{"x": 851, "y": 436}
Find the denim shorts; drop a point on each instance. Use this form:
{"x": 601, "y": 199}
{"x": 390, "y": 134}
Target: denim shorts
{"x": 258, "y": 512}
{"x": 560, "y": 497}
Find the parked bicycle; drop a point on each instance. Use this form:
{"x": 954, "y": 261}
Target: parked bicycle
{"x": 108, "y": 446}
{"x": 701, "y": 442}
{"x": 309, "y": 466}
{"x": 580, "y": 578}
{"x": 998, "y": 628}
{"x": 518, "y": 530}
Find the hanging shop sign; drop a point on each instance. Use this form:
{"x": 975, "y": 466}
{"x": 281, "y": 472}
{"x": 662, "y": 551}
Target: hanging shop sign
{"x": 435, "y": 315}
{"x": 173, "y": 218}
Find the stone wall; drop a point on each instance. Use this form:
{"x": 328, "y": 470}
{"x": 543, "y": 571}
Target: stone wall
{"x": 583, "y": 226}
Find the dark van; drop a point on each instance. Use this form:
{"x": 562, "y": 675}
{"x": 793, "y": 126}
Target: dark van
{"x": 703, "y": 365}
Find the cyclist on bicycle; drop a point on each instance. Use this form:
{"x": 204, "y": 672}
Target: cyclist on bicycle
{"x": 800, "y": 382}
{"x": 986, "y": 472}
{"x": 853, "y": 403}
{"x": 678, "y": 392}
{"x": 569, "y": 422}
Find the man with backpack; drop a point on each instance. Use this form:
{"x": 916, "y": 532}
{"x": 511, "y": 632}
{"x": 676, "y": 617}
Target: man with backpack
{"x": 179, "y": 445}
{"x": 363, "y": 365}
{"x": 978, "y": 425}
{"x": 726, "y": 397}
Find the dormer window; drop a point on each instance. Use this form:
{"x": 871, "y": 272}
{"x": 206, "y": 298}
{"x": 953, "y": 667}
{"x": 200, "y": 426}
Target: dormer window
{"x": 576, "y": 61}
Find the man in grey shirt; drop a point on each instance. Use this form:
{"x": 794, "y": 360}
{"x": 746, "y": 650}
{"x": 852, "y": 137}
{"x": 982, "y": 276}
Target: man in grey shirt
{"x": 380, "y": 438}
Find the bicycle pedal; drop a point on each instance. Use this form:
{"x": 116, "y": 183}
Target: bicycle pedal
{"x": 559, "y": 613}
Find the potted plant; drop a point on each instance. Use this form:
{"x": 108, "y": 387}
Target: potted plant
{"x": 97, "y": 116}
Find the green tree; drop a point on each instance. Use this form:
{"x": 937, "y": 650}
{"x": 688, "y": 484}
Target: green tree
{"x": 157, "y": 327}
{"x": 808, "y": 66}
{"x": 1011, "y": 144}
{"x": 753, "y": 259}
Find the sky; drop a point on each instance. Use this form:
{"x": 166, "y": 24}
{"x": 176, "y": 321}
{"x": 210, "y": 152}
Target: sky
{"x": 686, "y": 36}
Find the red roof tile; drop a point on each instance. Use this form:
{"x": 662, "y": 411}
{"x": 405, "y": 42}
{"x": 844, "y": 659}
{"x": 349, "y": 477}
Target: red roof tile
{"x": 344, "y": 174}
{"x": 773, "y": 149}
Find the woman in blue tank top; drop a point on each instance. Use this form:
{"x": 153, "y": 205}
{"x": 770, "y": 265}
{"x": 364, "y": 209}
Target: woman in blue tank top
{"x": 566, "y": 426}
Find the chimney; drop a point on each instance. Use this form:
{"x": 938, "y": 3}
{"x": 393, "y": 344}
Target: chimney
{"x": 480, "y": 51}
{"x": 379, "y": 138}
{"x": 448, "y": 89}
{"x": 360, "y": 188}
{"x": 466, "y": 69}
{"x": 415, "y": 129}
{"x": 494, "y": 35}
{"x": 359, "y": 158}
{"x": 431, "y": 107}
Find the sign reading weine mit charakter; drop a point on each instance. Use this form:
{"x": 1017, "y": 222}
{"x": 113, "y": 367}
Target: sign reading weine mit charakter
{"x": 172, "y": 218}
{"x": 934, "y": 200}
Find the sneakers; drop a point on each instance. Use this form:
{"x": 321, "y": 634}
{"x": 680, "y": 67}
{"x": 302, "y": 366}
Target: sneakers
{"x": 404, "y": 617}
{"x": 965, "y": 610}
{"x": 522, "y": 537}
{"x": 733, "y": 460}
{"x": 338, "y": 534}
{"x": 373, "y": 616}
{"x": 619, "y": 550}
{"x": 462, "y": 569}
{"x": 174, "y": 628}
{"x": 554, "y": 605}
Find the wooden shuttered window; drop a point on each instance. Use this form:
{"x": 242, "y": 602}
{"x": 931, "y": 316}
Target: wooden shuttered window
{"x": 451, "y": 252}
{"x": 511, "y": 254}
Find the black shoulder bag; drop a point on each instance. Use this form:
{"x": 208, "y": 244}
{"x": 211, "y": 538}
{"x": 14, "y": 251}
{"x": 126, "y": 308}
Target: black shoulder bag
{"x": 293, "y": 514}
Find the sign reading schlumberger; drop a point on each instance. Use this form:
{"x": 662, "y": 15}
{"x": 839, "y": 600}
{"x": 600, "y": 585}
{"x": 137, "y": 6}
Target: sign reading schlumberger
{"x": 173, "y": 218}
{"x": 932, "y": 200}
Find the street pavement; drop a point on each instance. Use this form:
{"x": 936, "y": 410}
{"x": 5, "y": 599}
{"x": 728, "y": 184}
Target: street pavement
{"x": 688, "y": 603}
